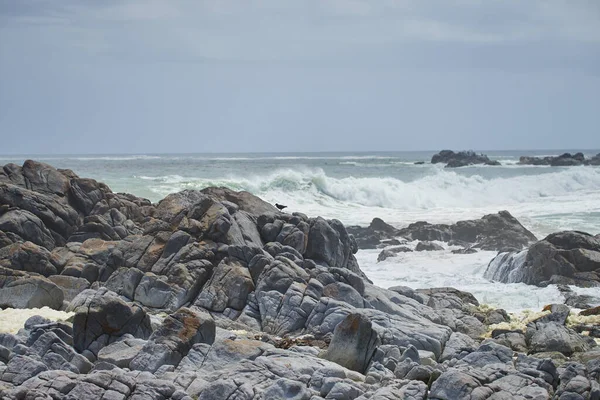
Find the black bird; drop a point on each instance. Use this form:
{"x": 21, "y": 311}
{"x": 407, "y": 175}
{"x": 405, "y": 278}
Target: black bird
{"x": 280, "y": 206}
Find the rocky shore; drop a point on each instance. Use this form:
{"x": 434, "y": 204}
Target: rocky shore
{"x": 216, "y": 294}
{"x": 563, "y": 160}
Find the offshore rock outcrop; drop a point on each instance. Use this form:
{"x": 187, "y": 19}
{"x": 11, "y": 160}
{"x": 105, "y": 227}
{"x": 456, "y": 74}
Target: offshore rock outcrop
{"x": 497, "y": 232}
{"x": 216, "y": 294}
{"x": 569, "y": 257}
{"x": 563, "y": 160}
{"x": 461, "y": 159}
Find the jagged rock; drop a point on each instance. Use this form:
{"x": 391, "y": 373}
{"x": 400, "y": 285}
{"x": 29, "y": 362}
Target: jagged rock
{"x": 229, "y": 286}
{"x": 461, "y": 159}
{"x": 353, "y": 344}
{"x": 21, "y": 368}
{"x": 497, "y": 232}
{"x": 458, "y": 346}
{"x": 563, "y": 160}
{"x": 28, "y": 227}
{"x": 121, "y": 353}
{"x": 553, "y": 336}
{"x": 568, "y": 257}
{"x": 28, "y": 257}
{"x": 69, "y": 285}
{"x": 21, "y": 290}
{"x": 101, "y": 317}
{"x": 173, "y": 340}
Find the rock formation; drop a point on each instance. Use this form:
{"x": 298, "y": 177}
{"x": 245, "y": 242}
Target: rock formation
{"x": 563, "y": 160}
{"x": 216, "y": 294}
{"x": 569, "y": 257}
{"x": 461, "y": 159}
{"x": 496, "y": 232}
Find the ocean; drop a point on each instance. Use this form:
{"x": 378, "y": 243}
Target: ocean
{"x": 356, "y": 187}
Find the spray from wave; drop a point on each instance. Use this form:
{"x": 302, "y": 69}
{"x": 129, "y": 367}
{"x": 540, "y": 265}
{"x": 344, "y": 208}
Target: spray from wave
{"x": 442, "y": 189}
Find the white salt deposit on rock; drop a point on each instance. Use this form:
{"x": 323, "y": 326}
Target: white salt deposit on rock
{"x": 13, "y": 319}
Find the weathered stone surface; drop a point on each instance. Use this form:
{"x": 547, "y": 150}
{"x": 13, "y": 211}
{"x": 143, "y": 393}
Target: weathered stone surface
{"x": 173, "y": 340}
{"x": 121, "y": 353}
{"x": 229, "y": 286}
{"x": 498, "y": 232}
{"x": 553, "y": 336}
{"x": 28, "y": 257}
{"x": 102, "y": 317}
{"x": 568, "y": 257}
{"x": 353, "y": 343}
{"x": 392, "y": 252}
{"x": 21, "y": 290}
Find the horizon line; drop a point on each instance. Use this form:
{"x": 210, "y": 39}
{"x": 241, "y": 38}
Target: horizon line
{"x": 288, "y": 152}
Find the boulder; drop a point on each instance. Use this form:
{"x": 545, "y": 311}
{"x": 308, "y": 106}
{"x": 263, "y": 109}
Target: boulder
{"x": 21, "y": 290}
{"x": 392, "y": 252}
{"x": 173, "y": 340}
{"x": 353, "y": 344}
{"x": 101, "y": 317}
{"x": 428, "y": 246}
{"x": 553, "y": 336}
{"x": 28, "y": 227}
{"x": 568, "y": 257}
{"x": 28, "y": 257}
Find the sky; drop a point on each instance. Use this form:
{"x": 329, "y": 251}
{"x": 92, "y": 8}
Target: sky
{"x": 195, "y": 76}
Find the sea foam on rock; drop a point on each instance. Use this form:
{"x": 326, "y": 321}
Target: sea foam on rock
{"x": 216, "y": 294}
{"x": 497, "y": 232}
{"x": 568, "y": 257}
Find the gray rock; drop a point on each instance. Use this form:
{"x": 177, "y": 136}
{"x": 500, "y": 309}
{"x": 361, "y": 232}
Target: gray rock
{"x": 27, "y": 257}
{"x": 121, "y": 353}
{"x": 69, "y": 285}
{"x": 568, "y": 257}
{"x": 21, "y": 368}
{"x": 392, "y": 252}
{"x": 353, "y": 344}
{"x": 173, "y": 340}
{"x": 28, "y": 227}
{"x": 552, "y": 336}
{"x": 458, "y": 346}
{"x": 102, "y": 317}
{"x": 21, "y": 290}
{"x": 428, "y": 246}
{"x": 229, "y": 286}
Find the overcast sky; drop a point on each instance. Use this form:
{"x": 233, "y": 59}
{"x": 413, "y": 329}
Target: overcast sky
{"x": 149, "y": 76}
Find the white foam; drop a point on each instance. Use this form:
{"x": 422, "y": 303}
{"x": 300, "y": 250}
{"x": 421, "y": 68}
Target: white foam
{"x": 462, "y": 271}
{"x": 13, "y": 319}
{"x": 441, "y": 196}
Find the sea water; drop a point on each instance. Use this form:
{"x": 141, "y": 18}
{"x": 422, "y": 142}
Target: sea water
{"x": 356, "y": 187}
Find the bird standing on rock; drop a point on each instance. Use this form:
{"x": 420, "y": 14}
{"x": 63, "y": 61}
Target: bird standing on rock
{"x": 280, "y": 206}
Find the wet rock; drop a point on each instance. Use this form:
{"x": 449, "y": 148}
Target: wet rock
{"x": 392, "y": 252}
{"x": 568, "y": 257}
{"x": 428, "y": 246}
{"x": 461, "y": 159}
